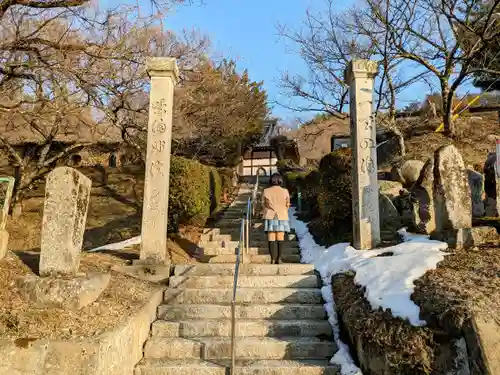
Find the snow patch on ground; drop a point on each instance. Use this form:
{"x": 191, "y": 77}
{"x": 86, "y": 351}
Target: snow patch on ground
{"x": 118, "y": 245}
{"x": 388, "y": 279}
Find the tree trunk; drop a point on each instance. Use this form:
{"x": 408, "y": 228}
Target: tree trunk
{"x": 447, "y": 100}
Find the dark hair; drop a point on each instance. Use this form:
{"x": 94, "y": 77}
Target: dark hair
{"x": 275, "y": 180}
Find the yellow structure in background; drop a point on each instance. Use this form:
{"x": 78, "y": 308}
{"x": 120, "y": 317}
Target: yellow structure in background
{"x": 455, "y": 116}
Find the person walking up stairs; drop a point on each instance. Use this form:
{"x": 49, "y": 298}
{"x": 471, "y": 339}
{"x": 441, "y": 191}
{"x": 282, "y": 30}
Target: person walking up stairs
{"x": 280, "y": 325}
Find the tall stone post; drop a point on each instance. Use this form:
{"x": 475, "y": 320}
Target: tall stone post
{"x": 359, "y": 75}
{"x": 164, "y": 75}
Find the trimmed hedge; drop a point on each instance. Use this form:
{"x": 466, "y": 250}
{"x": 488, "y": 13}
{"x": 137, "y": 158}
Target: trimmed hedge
{"x": 194, "y": 194}
{"x": 292, "y": 180}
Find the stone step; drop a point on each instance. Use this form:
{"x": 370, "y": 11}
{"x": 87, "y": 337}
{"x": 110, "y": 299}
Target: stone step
{"x": 267, "y": 311}
{"x": 244, "y": 328}
{"x": 221, "y": 367}
{"x": 243, "y": 295}
{"x": 257, "y": 259}
{"x": 251, "y": 250}
{"x": 245, "y": 348}
{"x": 256, "y": 239}
{"x": 254, "y": 242}
{"x": 291, "y": 281}
{"x": 235, "y": 228}
{"x": 245, "y": 269}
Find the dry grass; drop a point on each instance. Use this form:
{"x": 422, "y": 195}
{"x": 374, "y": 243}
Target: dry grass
{"x": 114, "y": 215}
{"x": 464, "y": 283}
{"x": 18, "y": 319}
{"x": 472, "y": 137}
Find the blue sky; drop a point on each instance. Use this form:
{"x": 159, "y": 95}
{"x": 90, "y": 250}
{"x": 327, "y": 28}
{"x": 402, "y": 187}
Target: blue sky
{"x": 246, "y": 31}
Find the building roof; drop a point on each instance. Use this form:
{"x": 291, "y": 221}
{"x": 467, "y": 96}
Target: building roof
{"x": 270, "y": 131}
{"x": 314, "y": 139}
{"x": 78, "y": 126}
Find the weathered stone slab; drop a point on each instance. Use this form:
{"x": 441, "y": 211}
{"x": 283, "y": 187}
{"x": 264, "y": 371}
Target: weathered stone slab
{"x": 476, "y": 184}
{"x": 451, "y": 193}
{"x": 155, "y": 273}
{"x": 389, "y": 215}
{"x": 67, "y": 194}
{"x": 466, "y": 238}
{"x": 4, "y": 243}
{"x": 67, "y": 293}
{"x": 6, "y": 189}
{"x": 422, "y": 199}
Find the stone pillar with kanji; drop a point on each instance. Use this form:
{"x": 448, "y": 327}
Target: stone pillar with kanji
{"x": 360, "y": 75}
{"x": 164, "y": 75}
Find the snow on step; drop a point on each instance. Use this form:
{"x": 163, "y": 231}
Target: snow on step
{"x": 245, "y": 269}
{"x": 243, "y": 295}
{"x": 245, "y": 348}
{"x": 268, "y": 311}
{"x": 257, "y": 367}
{"x": 244, "y": 328}
{"x": 294, "y": 281}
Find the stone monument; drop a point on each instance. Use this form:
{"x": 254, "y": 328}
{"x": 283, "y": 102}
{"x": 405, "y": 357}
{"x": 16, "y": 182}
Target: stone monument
{"x": 67, "y": 194}
{"x": 164, "y": 76}
{"x": 359, "y": 75}
{"x": 6, "y": 189}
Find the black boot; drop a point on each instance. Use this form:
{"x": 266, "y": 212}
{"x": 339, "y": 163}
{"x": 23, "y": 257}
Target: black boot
{"x": 273, "y": 251}
{"x": 280, "y": 249}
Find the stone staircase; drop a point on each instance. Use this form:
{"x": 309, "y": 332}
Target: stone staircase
{"x": 281, "y": 324}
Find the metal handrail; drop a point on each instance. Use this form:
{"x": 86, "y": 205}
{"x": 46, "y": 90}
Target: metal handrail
{"x": 241, "y": 254}
{"x": 233, "y": 300}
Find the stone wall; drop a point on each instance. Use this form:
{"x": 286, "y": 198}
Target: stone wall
{"x": 115, "y": 352}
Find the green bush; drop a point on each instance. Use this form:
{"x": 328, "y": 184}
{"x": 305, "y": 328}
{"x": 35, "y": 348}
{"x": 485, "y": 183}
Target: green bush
{"x": 189, "y": 193}
{"x": 292, "y": 180}
{"x": 329, "y": 198}
{"x": 215, "y": 190}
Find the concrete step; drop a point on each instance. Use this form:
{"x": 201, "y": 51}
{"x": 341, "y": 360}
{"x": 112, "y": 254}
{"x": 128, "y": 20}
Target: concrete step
{"x": 245, "y": 348}
{"x": 257, "y": 259}
{"x": 235, "y": 228}
{"x": 226, "y": 240}
{"x": 291, "y": 281}
{"x": 292, "y": 244}
{"x": 267, "y": 311}
{"x": 243, "y": 295}
{"x": 244, "y": 328}
{"x": 245, "y": 269}
{"x": 214, "y": 367}
{"x": 251, "y": 250}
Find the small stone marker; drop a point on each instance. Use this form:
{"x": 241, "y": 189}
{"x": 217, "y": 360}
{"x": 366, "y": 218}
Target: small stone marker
{"x": 360, "y": 74}
{"x": 164, "y": 76}
{"x": 476, "y": 184}
{"x": 422, "y": 196}
{"x": 67, "y": 194}
{"x": 6, "y": 189}
{"x": 452, "y": 197}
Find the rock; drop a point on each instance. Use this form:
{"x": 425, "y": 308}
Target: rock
{"x": 146, "y": 272}
{"x": 423, "y": 201}
{"x": 67, "y": 194}
{"x": 408, "y": 173}
{"x": 451, "y": 193}
{"x": 390, "y": 188}
{"x": 66, "y": 293}
{"x": 490, "y": 207}
{"x": 476, "y": 185}
{"x": 466, "y": 238}
{"x": 4, "y": 242}
{"x": 389, "y": 215}
{"x": 6, "y": 189}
